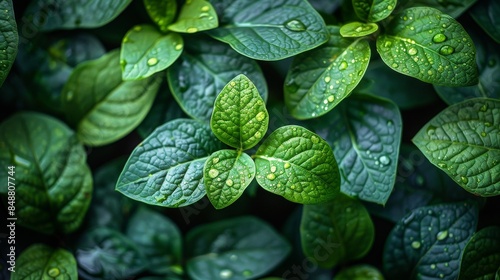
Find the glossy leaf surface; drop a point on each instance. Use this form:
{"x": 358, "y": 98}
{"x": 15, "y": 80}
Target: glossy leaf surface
{"x": 161, "y": 12}
{"x": 359, "y": 272}
{"x": 373, "y": 10}
{"x": 357, "y": 29}
{"x": 8, "y": 38}
{"x": 195, "y": 16}
{"x": 481, "y": 256}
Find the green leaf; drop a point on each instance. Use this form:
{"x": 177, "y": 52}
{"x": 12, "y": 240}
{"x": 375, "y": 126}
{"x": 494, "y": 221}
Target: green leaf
{"x": 426, "y": 44}
{"x": 102, "y": 106}
{"x": 358, "y": 29}
{"x": 146, "y": 51}
{"x": 365, "y": 133}
{"x": 373, "y": 10}
{"x": 166, "y": 169}
{"x": 266, "y": 30}
{"x": 40, "y": 261}
{"x": 481, "y": 256}
{"x": 463, "y": 141}
{"x": 336, "y": 231}
{"x": 9, "y": 38}
{"x": 202, "y": 71}
{"x": 161, "y": 12}
{"x": 72, "y": 14}
{"x": 320, "y": 79}
{"x": 297, "y": 164}
{"x": 195, "y": 16}
{"x": 103, "y": 253}
{"x": 427, "y": 243}
{"x": 158, "y": 238}
{"x": 226, "y": 174}
{"x": 452, "y": 8}
{"x": 487, "y": 14}
{"x": 239, "y": 118}
{"x": 359, "y": 272}
{"x": 238, "y": 248}
{"x": 53, "y": 182}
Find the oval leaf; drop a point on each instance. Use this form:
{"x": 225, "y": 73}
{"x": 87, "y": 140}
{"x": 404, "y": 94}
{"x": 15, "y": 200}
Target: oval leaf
{"x": 161, "y": 12}
{"x": 297, "y": 164}
{"x": 146, "y": 51}
{"x": 487, "y": 14}
{"x": 166, "y": 169}
{"x": 227, "y": 173}
{"x": 427, "y": 243}
{"x": 358, "y": 29}
{"x": 464, "y": 141}
{"x": 336, "y": 232}
{"x": 359, "y": 272}
{"x": 102, "y": 106}
{"x": 238, "y": 248}
{"x": 9, "y": 38}
{"x": 239, "y": 118}
{"x": 266, "y": 31}
{"x": 53, "y": 181}
{"x": 320, "y": 79}
{"x": 373, "y": 10}
{"x": 195, "y": 16}
{"x": 426, "y": 44}
{"x": 481, "y": 256}
{"x": 40, "y": 261}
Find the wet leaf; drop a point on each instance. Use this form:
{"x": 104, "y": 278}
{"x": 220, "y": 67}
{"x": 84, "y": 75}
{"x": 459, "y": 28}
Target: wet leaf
{"x": 357, "y": 29}
{"x": 8, "y": 38}
{"x": 195, "y": 16}
{"x": 359, "y": 272}
{"x": 481, "y": 256}
{"x": 161, "y": 12}
{"x": 373, "y": 10}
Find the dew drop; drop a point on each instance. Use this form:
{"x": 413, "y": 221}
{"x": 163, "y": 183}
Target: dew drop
{"x": 384, "y": 160}
{"x": 273, "y": 168}
{"x": 483, "y": 134}
{"x": 225, "y": 274}
{"x": 295, "y": 25}
{"x": 205, "y": 8}
{"x": 213, "y": 173}
{"x": 287, "y": 165}
{"x": 415, "y": 245}
{"x": 394, "y": 65}
{"x": 314, "y": 139}
{"x": 439, "y": 38}
{"x": 229, "y": 182}
{"x": 178, "y": 47}
{"x": 343, "y": 65}
{"x": 192, "y": 30}
{"x": 203, "y": 15}
{"x": 483, "y": 108}
{"x": 258, "y": 134}
{"x": 464, "y": 179}
{"x": 433, "y": 266}
{"x": 412, "y": 51}
{"x": 215, "y": 160}
{"x": 442, "y": 165}
{"x": 54, "y": 272}
{"x": 152, "y": 61}
{"x": 260, "y": 116}
{"x": 387, "y": 44}
{"x": 431, "y": 130}
{"x": 331, "y": 98}
{"x": 160, "y": 198}
{"x": 271, "y": 176}
{"x": 446, "y": 50}
{"x": 327, "y": 79}
{"x": 442, "y": 235}
{"x": 389, "y": 7}
{"x": 247, "y": 273}
{"x": 137, "y": 28}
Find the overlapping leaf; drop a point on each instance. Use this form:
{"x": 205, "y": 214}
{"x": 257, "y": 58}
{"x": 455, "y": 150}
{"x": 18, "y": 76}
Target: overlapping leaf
{"x": 373, "y": 10}
{"x": 195, "y": 16}
{"x": 487, "y": 14}
{"x": 8, "y": 38}
{"x": 359, "y": 272}
{"x": 481, "y": 256}
{"x": 452, "y": 8}
{"x": 161, "y": 12}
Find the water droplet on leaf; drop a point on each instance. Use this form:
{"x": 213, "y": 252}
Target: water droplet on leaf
{"x": 384, "y": 160}
{"x": 442, "y": 235}
{"x": 412, "y": 51}
{"x": 54, "y": 272}
{"x": 152, "y": 61}
{"x": 415, "y": 245}
{"x": 215, "y": 160}
{"x": 327, "y": 79}
{"x": 295, "y": 25}
{"x": 229, "y": 182}
{"x": 483, "y": 108}
{"x": 271, "y": 176}
{"x": 192, "y": 30}
{"x": 464, "y": 179}
{"x": 225, "y": 274}
{"x": 260, "y": 116}
{"x": 446, "y": 50}
{"x": 160, "y": 198}
{"x": 331, "y": 98}
{"x": 247, "y": 273}
{"x": 137, "y": 28}
{"x": 178, "y": 47}
{"x": 287, "y": 165}
{"x": 205, "y": 8}
{"x": 213, "y": 173}
{"x": 343, "y": 65}
{"x": 439, "y": 38}
{"x": 314, "y": 139}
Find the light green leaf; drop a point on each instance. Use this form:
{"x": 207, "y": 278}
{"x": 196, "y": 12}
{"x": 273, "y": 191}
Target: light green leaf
{"x": 297, "y": 164}
{"x": 358, "y": 29}
{"x": 102, "y": 106}
{"x": 426, "y": 44}
{"x": 238, "y": 248}
{"x": 427, "y": 243}
{"x": 267, "y": 30}
{"x": 8, "y": 38}
{"x": 166, "y": 169}
{"x": 365, "y": 133}
{"x": 195, "y": 16}
{"x": 146, "y": 51}
{"x": 452, "y": 8}
{"x": 373, "y": 10}
{"x": 464, "y": 141}
{"x": 158, "y": 238}
{"x": 481, "y": 256}
{"x": 53, "y": 182}
{"x": 359, "y": 272}
{"x": 40, "y": 261}
{"x": 72, "y": 14}
{"x": 487, "y": 14}
{"x": 161, "y": 12}
{"x": 239, "y": 118}
{"x": 320, "y": 79}
{"x": 336, "y": 231}
{"x": 227, "y": 173}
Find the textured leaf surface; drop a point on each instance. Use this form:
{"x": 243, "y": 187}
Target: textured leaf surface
{"x": 359, "y": 272}
{"x": 365, "y": 133}
{"x": 464, "y": 141}
{"x": 481, "y": 257}
{"x": 487, "y": 14}
{"x": 71, "y": 14}
{"x": 102, "y": 106}
{"x": 428, "y": 242}
{"x": 297, "y": 164}
{"x": 166, "y": 169}
{"x": 146, "y": 51}
{"x": 238, "y": 248}
{"x": 161, "y": 12}
{"x": 426, "y": 44}
{"x": 203, "y": 70}
{"x": 40, "y": 261}
{"x": 227, "y": 173}
{"x": 195, "y": 16}
{"x": 269, "y": 30}
{"x": 452, "y": 8}
{"x": 357, "y": 29}
{"x": 336, "y": 231}
{"x": 8, "y": 38}
{"x": 239, "y": 117}
{"x": 320, "y": 79}
{"x": 373, "y": 10}
{"x": 53, "y": 181}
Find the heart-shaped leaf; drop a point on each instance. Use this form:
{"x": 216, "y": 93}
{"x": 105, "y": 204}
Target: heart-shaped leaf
{"x": 357, "y": 29}
{"x": 146, "y": 51}
{"x": 161, "y": 12}
{"x": 52, "y": 179}
{"x": 481, "y": 256}
{"x": 336, "y": 231}
{"x": 487, "y": 14}
{"x": 238, "y": 248}
{"x": 8, "y": 38}
{"x": 464, "y": 141}
{"x": 40, "y": 261}
{"x": 267, "y": 31}
{"x": 426, "y": 44}
{"x": 166, "y": 169}
{"x": 427, "y": 243}
{"x": 227, "y": 173}
{"x": 359, "y": 272}
{"x": 373, "y": 10}
{"x": 320, "y": 79}
{"x": 297, "y": 164}
{"x": 195, "y": 16}
{"x": 239, "y": 118}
